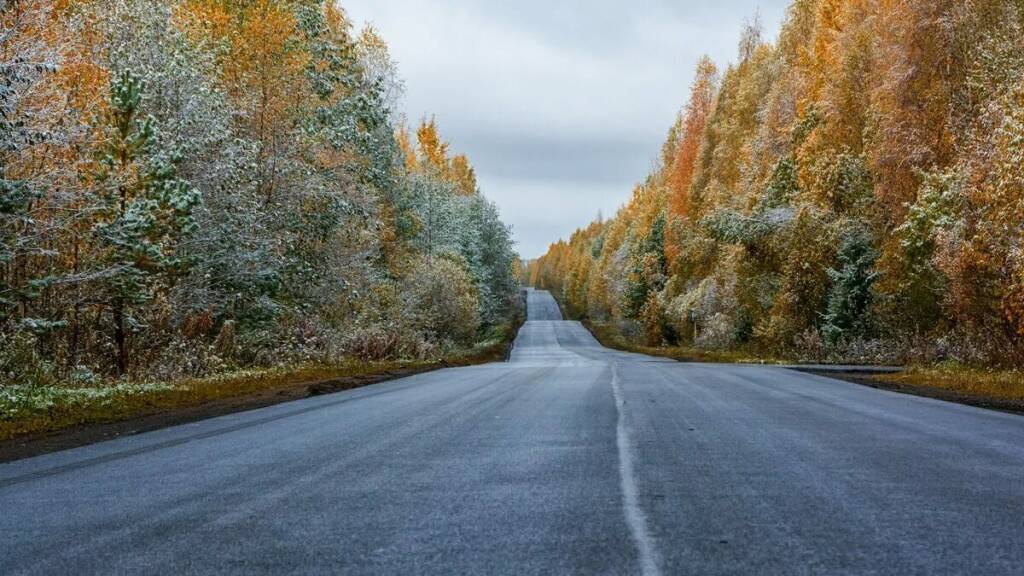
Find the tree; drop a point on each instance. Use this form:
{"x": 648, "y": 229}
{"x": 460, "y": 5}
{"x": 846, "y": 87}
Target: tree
{"x": 751, "y": 37}
{"x": 17, "y": 195}
{"x": 910, "y": 99}
{"x": 29, "y": 59}
{"x": 698, "y": 109}
{"x": 849, "y": 297}
{"x": 380, "y": 70}
{"x": 433, "y": 150}
{"x": 142, "y": 210}
{"x": 116, "y": 117}
{"x": 464, "y": 175}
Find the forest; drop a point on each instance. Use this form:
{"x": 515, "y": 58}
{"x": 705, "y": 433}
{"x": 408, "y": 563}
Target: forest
{"x": 190, "y": 187}
{"x": 850, "y": 191}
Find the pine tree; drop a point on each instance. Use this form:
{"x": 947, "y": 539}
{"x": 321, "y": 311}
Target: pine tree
{"x": 142, "y": 210}
{"x": 850, "y": 294}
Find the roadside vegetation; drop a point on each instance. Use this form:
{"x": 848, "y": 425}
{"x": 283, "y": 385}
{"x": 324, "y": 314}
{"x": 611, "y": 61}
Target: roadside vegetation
{"x": 1005, "y": 385}
{"x": 850, "y": 192}
{"x": 31, "y": 410}
{"x": 617, "y": 335}
{"x": 201, "y": 199}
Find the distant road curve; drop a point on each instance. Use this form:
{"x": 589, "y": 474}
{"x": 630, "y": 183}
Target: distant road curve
{"x": 570, "y": 458}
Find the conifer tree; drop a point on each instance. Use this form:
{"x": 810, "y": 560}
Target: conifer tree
{"x": 142, "y": 211}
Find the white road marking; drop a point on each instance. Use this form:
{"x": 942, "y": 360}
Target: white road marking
{"x": 635, "y": 517}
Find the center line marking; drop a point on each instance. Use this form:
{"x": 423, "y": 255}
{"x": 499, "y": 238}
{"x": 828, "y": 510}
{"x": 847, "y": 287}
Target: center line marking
{"x": 635, "y": 517}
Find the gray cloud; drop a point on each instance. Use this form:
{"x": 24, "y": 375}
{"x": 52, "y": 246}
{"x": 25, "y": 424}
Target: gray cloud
{"x": 561, "y": 104}
{"x": 550, "y": 158}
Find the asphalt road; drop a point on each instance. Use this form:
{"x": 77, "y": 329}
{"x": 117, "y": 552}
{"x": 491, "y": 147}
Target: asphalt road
{"x": 570, "y": 458}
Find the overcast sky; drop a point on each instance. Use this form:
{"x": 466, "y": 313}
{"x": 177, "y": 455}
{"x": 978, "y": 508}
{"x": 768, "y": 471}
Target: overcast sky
{"x": 561, "y": 105}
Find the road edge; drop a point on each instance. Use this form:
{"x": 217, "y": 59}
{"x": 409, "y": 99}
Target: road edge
{"x": 943, "y": 394}
{"x": 38, "y": 444}
{"x": 866, "y": 377}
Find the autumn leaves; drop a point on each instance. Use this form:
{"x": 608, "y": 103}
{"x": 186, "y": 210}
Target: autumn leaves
{"x": 189, "y": 186}
{"x": 851, "y": 190}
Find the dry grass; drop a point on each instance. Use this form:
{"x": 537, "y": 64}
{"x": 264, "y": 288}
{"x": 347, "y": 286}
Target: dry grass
{"x": 991, "y": 384}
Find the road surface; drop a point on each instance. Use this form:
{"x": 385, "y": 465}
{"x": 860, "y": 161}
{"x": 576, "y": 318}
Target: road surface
{"x": 570, "y": 458}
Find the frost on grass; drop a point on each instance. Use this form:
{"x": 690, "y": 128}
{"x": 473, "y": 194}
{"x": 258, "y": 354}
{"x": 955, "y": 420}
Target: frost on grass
{"x": 18, "y": 401}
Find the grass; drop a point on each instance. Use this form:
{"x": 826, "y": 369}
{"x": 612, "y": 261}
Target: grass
{"x": 1006, "y": 385}
{"x": 39, "y": 410}
{"x": 26, "y": 410}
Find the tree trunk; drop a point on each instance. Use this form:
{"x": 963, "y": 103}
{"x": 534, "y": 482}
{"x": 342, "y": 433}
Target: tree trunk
{"x": 76, "y": 313}
{"x": 120, "y": 338}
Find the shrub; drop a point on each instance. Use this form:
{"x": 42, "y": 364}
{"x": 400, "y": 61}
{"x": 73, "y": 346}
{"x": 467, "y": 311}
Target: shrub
{"x": 442, "y": 300}
{"x": 21, "y": 362}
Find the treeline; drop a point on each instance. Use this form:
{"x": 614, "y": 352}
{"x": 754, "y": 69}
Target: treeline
{"x": 188, "y": 186}
{"x": 853, "y": 190}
